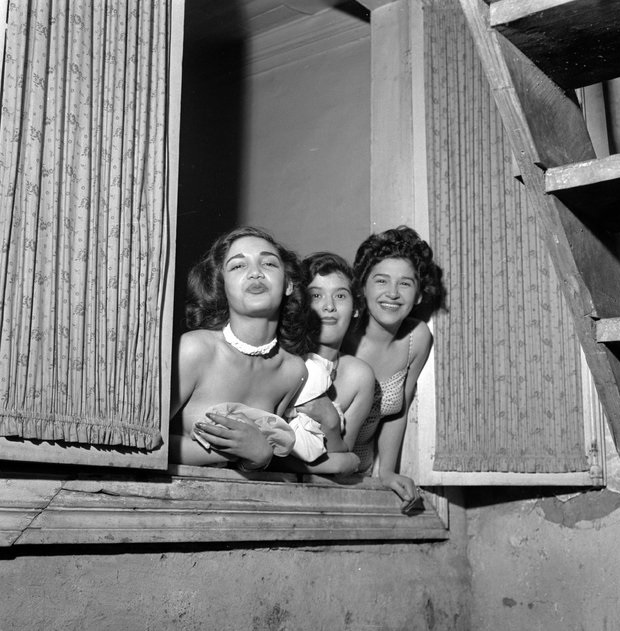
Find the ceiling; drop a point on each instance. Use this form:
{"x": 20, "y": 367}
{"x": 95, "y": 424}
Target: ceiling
{"x": 217, "y": 20}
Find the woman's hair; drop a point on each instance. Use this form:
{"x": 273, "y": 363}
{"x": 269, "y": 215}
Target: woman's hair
{"x": 206, "y": 306}
{"x": 404, "y": 243}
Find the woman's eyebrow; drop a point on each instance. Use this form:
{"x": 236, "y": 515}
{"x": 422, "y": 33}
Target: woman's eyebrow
{"x": 267, "y": 253}
{"x": 241, "y": 255}
{"x": 235, "y": 256}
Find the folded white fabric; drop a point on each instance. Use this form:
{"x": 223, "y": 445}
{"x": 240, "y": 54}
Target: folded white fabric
{"x": 341, "y": 415}
{"x": 276, "y": 430}
{"x": 319, "y": 379}
{"x": 309, "y": 438}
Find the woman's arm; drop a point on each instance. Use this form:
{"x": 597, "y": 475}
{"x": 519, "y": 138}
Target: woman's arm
{"x": 343, "y": 463}
{"x": 322, "y": 410}
{"x": 359, "y": 379}
{"x": 295, "y": 374}
{"x": 392, "y": 429}
{"x": 187, "y": 360}
{"x": 185, "y": 450}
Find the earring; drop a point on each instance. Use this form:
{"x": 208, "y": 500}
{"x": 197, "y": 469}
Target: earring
{"x": 356, "y": 313}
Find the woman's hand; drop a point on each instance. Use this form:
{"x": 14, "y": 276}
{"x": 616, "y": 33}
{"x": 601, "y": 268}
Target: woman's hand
{"x": 232, "y": 437}
{"x": 322, "y": 410}
{"x": 405, "y": 488}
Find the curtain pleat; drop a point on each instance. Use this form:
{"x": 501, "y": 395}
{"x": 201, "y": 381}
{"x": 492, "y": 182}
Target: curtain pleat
{"x": 508, "y": 360}
{"x": 84, "y": 226}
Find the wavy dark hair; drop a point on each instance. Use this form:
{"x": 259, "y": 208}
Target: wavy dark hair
{"x": 404, "y": 243}
{"x": 206, "y": 306}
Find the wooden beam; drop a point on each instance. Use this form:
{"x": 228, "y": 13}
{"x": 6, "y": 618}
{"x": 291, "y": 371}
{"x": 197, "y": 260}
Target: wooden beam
{"x": 391, "y": 148}
{"x": 549, "y": 112}
{"x": 371, "y": 5}
{"x": 574, "y": 42}
{"x": 608, "y": 330}
{"x": 590, "y": 188}
{"x": 512, "y": 78}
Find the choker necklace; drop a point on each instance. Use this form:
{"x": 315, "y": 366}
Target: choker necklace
{"x": 247, "y": 349}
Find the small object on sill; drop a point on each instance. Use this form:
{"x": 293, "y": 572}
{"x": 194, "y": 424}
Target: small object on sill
{"x": 414, "y": 507}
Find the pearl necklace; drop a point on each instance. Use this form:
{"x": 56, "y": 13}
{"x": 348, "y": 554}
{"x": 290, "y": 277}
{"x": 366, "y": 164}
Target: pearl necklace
{"x": 247, "y": 349}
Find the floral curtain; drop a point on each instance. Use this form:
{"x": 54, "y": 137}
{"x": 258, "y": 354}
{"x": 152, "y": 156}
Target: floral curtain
{"x": 83, "y": 224}
{"x": 508, "y": 360}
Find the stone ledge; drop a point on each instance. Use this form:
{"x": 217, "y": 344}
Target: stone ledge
{"x": 217, "y": 505}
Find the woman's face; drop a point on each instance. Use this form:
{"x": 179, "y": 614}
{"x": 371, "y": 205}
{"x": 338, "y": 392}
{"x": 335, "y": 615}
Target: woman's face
{"x": 391, "y": 291}
{"x": 254, "y": 280}
{"x": 331, "y": 299}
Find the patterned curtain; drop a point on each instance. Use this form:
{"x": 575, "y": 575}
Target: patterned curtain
{"x": 508, "y": 360}
{"x": 83, "y": 223}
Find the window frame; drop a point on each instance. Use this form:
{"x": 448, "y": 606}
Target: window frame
{"x": 199, "y": 505}
{"x": 148, "y": 506}
{"x": 180, "y": 504}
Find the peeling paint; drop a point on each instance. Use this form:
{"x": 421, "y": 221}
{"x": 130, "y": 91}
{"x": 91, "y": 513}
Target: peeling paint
{"x": 587, "y": 506}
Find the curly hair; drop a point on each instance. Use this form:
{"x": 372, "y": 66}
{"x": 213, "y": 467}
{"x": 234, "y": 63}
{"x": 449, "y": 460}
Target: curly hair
{"x": 206, "y": 306}
{"x": 404, "y": 243}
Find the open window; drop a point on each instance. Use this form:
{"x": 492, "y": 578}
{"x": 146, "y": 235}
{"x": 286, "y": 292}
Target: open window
{"x": 64, "y": 504}
{"x": 321, "y": 124}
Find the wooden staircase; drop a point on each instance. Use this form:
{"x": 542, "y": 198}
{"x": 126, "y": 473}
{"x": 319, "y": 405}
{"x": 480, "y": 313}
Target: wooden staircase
{"x": 536, "y": 53}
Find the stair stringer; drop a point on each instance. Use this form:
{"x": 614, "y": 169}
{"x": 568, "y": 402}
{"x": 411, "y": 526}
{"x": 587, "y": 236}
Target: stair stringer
{"x": 537, "y": 147}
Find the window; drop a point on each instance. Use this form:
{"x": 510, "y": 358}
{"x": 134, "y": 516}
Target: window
{"x": 102, "y": 505}
{"x": 43, "y": 504}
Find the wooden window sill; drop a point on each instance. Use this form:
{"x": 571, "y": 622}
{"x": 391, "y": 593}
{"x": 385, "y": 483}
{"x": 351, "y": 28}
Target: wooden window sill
{"x": 196, "y": 504}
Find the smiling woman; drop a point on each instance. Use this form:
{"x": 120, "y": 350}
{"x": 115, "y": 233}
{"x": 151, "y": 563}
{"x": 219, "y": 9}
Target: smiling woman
{"x": 244, "y": 299}
{"x": 397, "y": 274}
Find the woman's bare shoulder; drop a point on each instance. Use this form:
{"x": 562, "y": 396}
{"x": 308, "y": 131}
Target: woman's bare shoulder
{"x": 422, "y": 335}
{"x": 293, "y": 364}
{"x": 197, "y": 345}
{"x": 356, "y": 369}
{"x": 420, "y": 331}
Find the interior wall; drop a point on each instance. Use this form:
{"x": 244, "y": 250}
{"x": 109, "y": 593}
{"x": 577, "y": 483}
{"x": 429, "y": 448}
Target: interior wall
{"x": 306, "y": 161}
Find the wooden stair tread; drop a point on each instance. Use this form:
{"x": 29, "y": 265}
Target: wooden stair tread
{"x": 590, "y": 188}
{"x": 608, "y": 330}
{"x": 574, "y": 42}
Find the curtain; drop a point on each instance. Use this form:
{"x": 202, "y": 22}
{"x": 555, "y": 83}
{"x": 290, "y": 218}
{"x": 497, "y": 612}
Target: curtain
{"x": 508, "y": 360}
{"x": 83, "y": 224}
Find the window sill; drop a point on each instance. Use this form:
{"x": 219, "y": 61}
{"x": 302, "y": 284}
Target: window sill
{"x": 195, "y": 504}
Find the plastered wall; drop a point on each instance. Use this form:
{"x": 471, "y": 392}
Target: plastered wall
{"x": 546, "y": 559}
{"x": 392, "y": 587}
